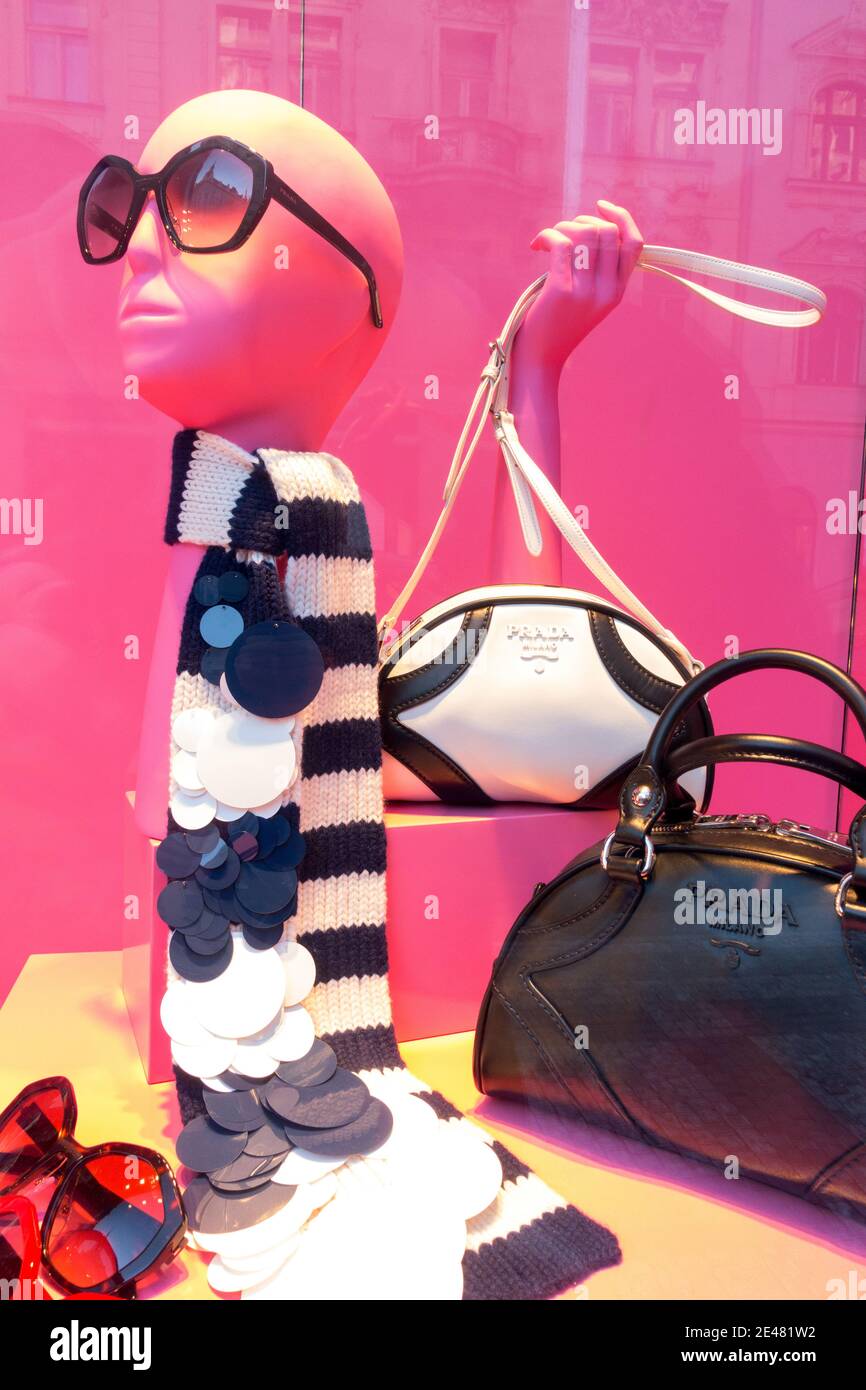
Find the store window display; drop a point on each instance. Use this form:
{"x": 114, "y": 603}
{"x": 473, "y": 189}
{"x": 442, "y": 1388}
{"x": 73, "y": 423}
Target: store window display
{"x": 275, "y": 777}
{"x": 284, "y": 1037}
{"x": 297, "y": 292}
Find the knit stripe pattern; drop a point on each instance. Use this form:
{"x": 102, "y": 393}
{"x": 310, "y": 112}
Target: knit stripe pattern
{"x": 298, "y": 518}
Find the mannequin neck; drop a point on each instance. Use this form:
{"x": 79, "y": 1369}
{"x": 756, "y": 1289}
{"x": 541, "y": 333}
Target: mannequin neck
{"x": 299, "y": 430}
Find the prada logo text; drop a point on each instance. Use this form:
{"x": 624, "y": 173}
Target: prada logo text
{"x": 539, "y": 642}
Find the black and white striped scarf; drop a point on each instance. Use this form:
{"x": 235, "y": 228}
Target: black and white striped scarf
{"x": 295, "y": 525}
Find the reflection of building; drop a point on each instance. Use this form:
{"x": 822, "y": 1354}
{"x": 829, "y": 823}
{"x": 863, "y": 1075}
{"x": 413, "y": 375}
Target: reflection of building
{"x": 826, "y": 183}
{"x": 373, "y": 68}
{"x": 487, "y": 118}
{"x": 458, "y": 104}
{"x": 637, "y": 79}
{"x": 58, "y": 53}
{"x": 487, "y": 100}
{"x": 506, "y": 83}
{"x": 646, "y": 61}
{"x": 243, "y": 48}
{"x": 837, "y": 133}
{"x": 803, "y": 209}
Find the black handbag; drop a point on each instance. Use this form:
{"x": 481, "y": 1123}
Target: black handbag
{"x": 698, "y": 982}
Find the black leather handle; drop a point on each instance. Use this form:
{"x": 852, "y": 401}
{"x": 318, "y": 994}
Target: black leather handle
{"x": 764, "y": 659}
{"x": 766, "y": 748}
{"x": 645, "y": 794}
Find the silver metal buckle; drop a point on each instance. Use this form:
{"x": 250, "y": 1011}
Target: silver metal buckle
{"x": 841, "y": 892}
{"x": 649, "y": 855}
{"x": 844, "y": 909}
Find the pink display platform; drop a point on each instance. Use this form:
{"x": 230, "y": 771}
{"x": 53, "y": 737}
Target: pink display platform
{"x": 685, "y": 1233}
{"x": 456, "y": 882}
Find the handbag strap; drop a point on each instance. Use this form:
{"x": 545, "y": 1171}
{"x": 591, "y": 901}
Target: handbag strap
{"x": 660, "y": 259}
{"x": 530, "y": 483}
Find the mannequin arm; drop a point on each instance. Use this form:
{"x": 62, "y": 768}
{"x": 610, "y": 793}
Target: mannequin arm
{"x": 591, "y": 261}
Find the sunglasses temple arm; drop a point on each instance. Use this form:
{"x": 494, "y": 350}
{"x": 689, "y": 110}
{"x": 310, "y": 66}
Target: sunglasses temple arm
{"x": 294, "y": 203}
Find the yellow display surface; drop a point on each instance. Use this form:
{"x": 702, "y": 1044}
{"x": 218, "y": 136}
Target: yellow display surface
{"x": 65, "y": 1015}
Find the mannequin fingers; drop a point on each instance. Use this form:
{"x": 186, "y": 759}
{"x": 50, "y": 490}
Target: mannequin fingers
{"x": 546, "y": 239}
{"x": 561, "y": 252}
{"x": 631, "y": 239}
{"x": 584, "y": 262}
{"x": 612, "y": 212}
{"x": 574, "y": 228}
{"x": 574, "y": 225}
{"x": 607, "y": 258}
{"x": 607, "y": 273}
{"x": 584, "y": 256}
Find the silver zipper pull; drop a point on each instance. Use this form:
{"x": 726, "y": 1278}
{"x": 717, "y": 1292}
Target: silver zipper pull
{"x": 797, "y": 831}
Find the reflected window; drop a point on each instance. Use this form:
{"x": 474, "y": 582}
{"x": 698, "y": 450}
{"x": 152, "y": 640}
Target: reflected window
{"x": 243, "y": 49}
{"x": 610, "y": 100}
{"x": 322, "y": 58}
{"x": 466, "y": 72}
{"x": 837, "y": 141}
{"x": 675, "y": 78}
{"x": 830, "y": 353}
{"x": 58, "y": 50}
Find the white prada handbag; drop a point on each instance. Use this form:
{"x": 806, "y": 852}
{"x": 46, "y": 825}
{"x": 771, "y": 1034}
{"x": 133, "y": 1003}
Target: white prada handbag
{"x": 530, "y": 692}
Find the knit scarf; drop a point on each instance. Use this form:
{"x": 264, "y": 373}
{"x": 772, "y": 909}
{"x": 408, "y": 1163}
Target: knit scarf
{"x": 293, "y": 526}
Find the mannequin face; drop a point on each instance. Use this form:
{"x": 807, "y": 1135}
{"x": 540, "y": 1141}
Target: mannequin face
{"x": 274, "y": 335}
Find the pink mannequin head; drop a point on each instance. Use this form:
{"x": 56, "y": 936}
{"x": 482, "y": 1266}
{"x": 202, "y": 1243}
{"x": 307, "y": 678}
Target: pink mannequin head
{"x": 264, "y": 344}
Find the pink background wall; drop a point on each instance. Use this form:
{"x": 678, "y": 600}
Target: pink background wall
{"x": 714, "y": 509}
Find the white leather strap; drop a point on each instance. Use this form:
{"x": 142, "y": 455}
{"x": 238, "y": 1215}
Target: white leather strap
{"x": 661, "y": 259}
{"x": 528, "y": 481}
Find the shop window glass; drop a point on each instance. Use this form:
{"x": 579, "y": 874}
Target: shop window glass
{"x": 610, "y": 99}
{"x": 837, "y": 140}
{"x": 466, "y": 66}
{"x": 243, "y": 49}
{"x": 58, "y": 50}
{"x": 831, "y": 353}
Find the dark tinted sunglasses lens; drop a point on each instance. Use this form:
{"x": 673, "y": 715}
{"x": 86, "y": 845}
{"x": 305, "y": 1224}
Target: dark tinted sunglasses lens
{"x": 29, "y": 1133}
{"x": 110, "y": 1211}
{"x": 106, "y": 210}
{"x": 207, "y": 198}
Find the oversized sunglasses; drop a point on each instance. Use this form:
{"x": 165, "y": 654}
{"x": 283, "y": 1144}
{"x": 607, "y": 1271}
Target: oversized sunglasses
{"x": 115, "y": 1214}
{"x": 21, "y": 1255}
{"x": 211, "y": 196}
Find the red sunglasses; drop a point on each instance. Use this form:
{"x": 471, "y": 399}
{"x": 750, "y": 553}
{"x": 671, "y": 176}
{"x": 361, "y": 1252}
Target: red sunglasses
{"x": 116, "y": 1212}
{"x": 21, "y": 1255}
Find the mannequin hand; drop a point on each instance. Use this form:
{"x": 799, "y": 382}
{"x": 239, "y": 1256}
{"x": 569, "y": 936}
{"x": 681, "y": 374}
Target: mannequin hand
{"x": 582, "y": 285}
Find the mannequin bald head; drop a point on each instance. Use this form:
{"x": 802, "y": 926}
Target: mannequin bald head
{"x": 264, "y": 344}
